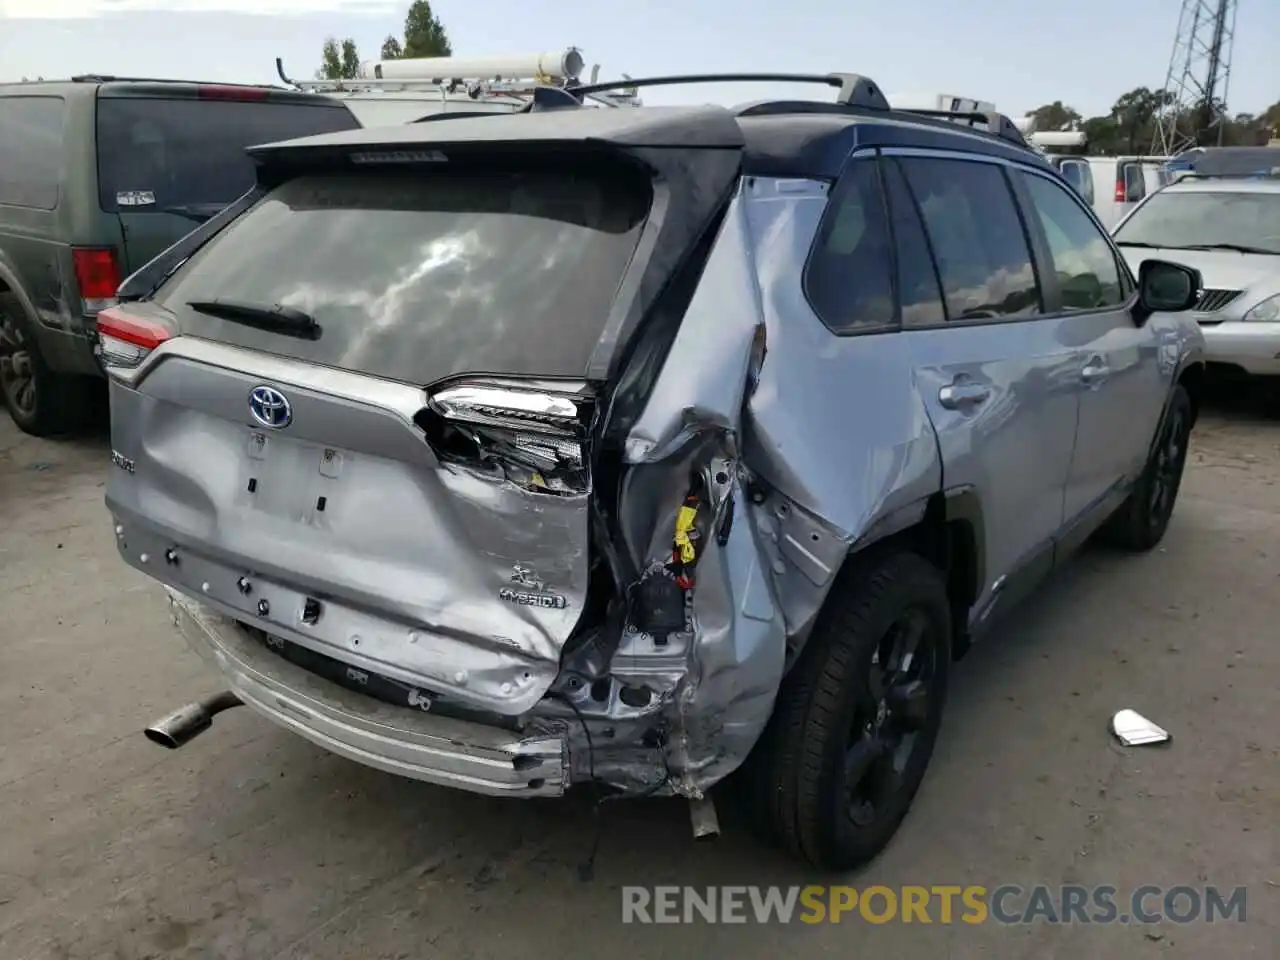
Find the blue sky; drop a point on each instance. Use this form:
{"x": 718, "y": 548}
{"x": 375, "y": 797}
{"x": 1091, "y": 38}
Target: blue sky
{"x": 1015, "y": 53}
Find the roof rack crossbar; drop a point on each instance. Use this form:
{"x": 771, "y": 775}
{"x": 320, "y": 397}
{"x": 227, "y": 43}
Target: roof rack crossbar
{"x": 855, "y": 90}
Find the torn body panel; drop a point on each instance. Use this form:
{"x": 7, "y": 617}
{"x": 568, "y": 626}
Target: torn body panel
{"x": 791, "y": 501}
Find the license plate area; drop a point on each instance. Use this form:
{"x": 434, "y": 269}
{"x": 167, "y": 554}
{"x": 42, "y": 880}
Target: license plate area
{"x": 292, "y": 479}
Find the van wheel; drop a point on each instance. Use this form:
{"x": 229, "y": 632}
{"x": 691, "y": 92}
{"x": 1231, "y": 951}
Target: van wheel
{"x": 1143, "y": 518}
{"x": 855, "y": 722}
{"x": 41, "y": 402}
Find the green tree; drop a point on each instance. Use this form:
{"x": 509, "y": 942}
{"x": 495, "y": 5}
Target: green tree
{"x": 424, "y": 34}
{"x": 391, "y": 49}
{"x": 338, "y": 62}
{"x": 1055, "y": 116}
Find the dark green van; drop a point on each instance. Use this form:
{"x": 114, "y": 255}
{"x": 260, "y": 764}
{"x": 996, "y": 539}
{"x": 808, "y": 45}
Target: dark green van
{"x": 97, "y": 176}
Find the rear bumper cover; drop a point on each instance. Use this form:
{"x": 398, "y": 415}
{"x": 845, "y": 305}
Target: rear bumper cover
{"x": 440, "y": 750}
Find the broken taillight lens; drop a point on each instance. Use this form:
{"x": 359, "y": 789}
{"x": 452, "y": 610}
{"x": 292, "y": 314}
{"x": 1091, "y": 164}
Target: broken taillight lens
{"x": 125, "y": 340}
{"x": 534, "y": 438}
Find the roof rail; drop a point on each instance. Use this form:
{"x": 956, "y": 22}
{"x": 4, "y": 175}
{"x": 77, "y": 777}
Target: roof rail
{"x": 111, "y": 78}
{"x": 856, "y": 92}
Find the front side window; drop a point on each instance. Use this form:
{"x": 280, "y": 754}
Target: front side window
{"x": 981, "y": 249}
{"x": 1083, "y": 259}
{"x": 848, "y": 278}
{"x": 1205, "y": 220}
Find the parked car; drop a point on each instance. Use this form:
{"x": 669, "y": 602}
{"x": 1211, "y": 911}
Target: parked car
{"x": 97, "y": 176}
{"x": 628, "y": 446}
{"x": 1228, "y": 228}
{"x": 1226, "y": 162}
{"x": 1113, "y": 186}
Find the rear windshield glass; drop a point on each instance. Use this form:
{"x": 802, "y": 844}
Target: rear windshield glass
{"x": 416, "y": 277}
{"x": 155, "y": 153}
{"x": 1189, "y": 218}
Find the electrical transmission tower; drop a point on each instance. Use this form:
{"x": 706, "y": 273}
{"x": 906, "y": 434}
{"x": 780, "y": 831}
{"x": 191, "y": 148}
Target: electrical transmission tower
{"x": 1199, "y": 77}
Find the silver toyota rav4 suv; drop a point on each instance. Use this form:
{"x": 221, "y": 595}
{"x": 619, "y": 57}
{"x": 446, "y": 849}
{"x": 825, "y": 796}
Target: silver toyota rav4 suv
{"x": 637, "y": 446}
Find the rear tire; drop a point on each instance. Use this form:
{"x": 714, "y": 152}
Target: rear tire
{"x": 40, "y": 401}
{"x": 1143, "y": 518}
{"x": 855, "y": 722}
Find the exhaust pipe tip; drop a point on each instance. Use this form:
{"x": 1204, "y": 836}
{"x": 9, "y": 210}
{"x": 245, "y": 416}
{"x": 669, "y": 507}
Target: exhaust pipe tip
{"x": 188, "y": 722}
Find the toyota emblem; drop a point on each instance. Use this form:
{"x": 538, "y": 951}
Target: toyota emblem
{"x": 270, "y": 407}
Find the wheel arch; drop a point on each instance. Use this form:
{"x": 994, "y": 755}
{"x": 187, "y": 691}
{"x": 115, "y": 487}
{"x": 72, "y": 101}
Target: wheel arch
{"x": 946, "y": 528}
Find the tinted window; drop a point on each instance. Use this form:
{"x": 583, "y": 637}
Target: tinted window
{"x": 154, "y": 154}
{"x": 918, "y": 289}
{"x": 849, "y": 275}
{"x": 1082, "y": 257}
{"x": 31, "y": 150}
{"x": 1188, "y": 218}
{"x": 1135, "y": 186}
{"x": 1078, "y": 174}
{"x": 417, "y": 276}
{"x": 977, "y": 238}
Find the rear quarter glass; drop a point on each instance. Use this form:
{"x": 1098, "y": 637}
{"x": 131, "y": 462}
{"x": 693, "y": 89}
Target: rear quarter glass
{"x": 416, "y": 277}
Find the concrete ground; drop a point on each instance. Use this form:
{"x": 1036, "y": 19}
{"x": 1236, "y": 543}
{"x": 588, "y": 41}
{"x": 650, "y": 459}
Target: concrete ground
{"x": 252, "y": 843}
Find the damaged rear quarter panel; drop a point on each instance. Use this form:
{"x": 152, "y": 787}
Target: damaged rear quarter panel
{"x": 831, "y": 429}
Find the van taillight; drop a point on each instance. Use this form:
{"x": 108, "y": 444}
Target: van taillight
{"x": 1121, "y": 194}
{"x": 124, "y": 340}
{"x": 98, "y": 276}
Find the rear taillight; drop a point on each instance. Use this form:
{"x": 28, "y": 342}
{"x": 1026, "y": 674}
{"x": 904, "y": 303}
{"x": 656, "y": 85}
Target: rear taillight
{"x": 1121, "y": 194}
{"x": 530, "y": 437}
{"x": 214, "y": 91}
{"x": 124, "y": 340}
{"x": 98, "y": 276}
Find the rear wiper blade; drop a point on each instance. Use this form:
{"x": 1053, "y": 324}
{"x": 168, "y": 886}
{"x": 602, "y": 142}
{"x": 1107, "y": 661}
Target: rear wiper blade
{"x": 1138, "y": 243}
{"x": 1237, "y": 247}
{"x": 274, "y": 317}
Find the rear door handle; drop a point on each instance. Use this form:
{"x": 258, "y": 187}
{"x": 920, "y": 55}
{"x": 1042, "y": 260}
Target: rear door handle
{"x": 955, "y": 396}
{"x": 1094, "y": 371}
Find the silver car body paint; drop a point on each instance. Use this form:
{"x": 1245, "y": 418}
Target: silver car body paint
{"x": 830, "y": 443}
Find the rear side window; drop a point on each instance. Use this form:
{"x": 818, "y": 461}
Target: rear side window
{"x": 981, "y": 249}
{"x": 848, "y": 278}
{"x": 918, "y": 286}
{"x": 1084, "y": 261}
{"x": 157, "y": 154}
{"x": 31, "y": 137}
{"x": 415, "y": 276}
{"x": 1134, "y": 184}
{"x": 1078, "y": 174}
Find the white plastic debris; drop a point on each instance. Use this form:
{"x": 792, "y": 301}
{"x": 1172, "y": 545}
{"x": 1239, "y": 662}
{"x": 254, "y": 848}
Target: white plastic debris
{"x": 1134, "y": 730}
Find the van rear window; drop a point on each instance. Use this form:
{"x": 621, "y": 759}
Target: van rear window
{"x": 156, "y": 153}
{"x": 415, "y": 276}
